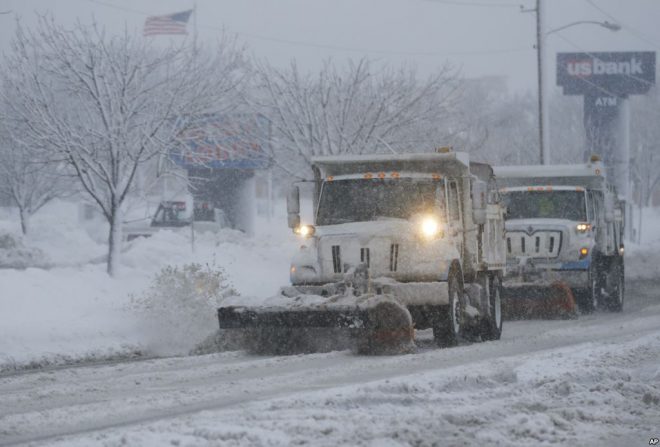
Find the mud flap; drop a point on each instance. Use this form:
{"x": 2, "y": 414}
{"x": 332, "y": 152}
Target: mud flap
{"x": 538, "y": 301}
{"x": 382, "y": 328}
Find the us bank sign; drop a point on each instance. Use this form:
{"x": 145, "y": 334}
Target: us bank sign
{"x": 614, "y": 74}
{"x": 605, "y": 81}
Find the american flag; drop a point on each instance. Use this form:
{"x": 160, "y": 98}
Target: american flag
{"x": 168, "y": 24}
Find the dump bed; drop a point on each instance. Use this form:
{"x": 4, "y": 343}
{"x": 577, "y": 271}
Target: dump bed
{"x": 587, "y": 175}
{"x": 451, "y": 163}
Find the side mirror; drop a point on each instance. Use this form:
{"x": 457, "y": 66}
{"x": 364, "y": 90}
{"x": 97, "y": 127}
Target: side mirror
{"x": 293, "y": 206}
{"x": 609, "y": 208}
{"x": 479, "y": 202}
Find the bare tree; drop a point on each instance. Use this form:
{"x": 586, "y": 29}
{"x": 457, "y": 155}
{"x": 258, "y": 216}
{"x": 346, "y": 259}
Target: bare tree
{"x": 500, "y": 128}
{"x": 358, "y": 109}
{"x": 107, "y": 104}
{"x": 30, "y": 181}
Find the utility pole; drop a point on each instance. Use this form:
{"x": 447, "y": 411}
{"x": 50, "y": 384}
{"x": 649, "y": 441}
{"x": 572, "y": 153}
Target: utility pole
{"x": 539, "y": 65}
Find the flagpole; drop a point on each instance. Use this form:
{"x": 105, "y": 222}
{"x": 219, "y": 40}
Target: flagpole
{"x": 195, "y": 28}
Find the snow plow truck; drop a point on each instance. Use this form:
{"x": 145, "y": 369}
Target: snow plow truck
{"x": 398, "y": 243}
{"x": 564, "y": 240}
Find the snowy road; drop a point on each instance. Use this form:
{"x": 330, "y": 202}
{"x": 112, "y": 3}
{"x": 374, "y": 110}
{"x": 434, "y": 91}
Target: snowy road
{"x": 595, "y": 381}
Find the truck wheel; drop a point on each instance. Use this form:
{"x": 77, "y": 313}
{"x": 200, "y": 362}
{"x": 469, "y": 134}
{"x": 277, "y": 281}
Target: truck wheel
{"x": 616, "y": 288}
{"x": 448, "y": 328}
{"x": 492, "y": 326}
{"x": 588, "y": 298}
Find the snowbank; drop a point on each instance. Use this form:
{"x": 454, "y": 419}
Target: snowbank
{"x": 595, "y": 393}
{"x": 643, "y": 259}
{"x": 73, "y": 311}
{"x": 14, "y": 253}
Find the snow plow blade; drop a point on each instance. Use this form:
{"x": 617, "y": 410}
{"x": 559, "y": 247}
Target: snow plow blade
{"x": 380, "y": 327}
{"x": 530, "y": 301}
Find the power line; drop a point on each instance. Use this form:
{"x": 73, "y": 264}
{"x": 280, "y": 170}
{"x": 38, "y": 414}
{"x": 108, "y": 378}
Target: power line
{"x": 376, "y": 50}
{"x": 478, "y": 4}
{"x": 641, "y": 36}
{"x": 338, "y": 47}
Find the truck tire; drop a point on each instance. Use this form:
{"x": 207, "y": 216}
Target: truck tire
{"x": 448, "y": 327}
{"x": 591, "y": 297}
{"x": 616, "y": 287}
{"x": 492, "y": 325}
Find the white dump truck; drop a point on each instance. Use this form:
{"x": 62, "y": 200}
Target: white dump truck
{"x": 564, "y": 224}
{"x": 398, "y": 242}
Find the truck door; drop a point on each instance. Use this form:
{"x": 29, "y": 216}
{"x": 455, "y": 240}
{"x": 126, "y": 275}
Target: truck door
{"x": 455, "y": 215}
{"x": 603, "y": 232}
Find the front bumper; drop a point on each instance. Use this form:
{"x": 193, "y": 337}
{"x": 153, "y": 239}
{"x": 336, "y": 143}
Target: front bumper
{"x": 574, "y": 274}
{"x": 332, "y": 305}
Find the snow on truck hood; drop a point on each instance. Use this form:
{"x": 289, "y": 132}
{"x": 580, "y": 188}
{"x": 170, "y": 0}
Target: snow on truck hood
{"x": 374, "y": 228}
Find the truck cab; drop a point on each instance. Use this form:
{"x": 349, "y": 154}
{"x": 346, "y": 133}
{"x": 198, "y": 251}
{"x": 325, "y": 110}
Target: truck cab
{"x": 427, "y": 228}
{"x": 564, "y": 223}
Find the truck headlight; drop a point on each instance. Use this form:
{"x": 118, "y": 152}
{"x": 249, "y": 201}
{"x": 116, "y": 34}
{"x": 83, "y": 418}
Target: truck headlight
{"x": 430, "y": 227}
{"x": 583, "y": 227}
{"x": 305, "y": 230}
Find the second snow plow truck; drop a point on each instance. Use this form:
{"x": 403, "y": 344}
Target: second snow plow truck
{"x": 564, "y": 230}
{"x": 399, "y": 242}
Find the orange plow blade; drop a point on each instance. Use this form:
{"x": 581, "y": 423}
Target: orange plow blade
{"x": 539, "y": 302}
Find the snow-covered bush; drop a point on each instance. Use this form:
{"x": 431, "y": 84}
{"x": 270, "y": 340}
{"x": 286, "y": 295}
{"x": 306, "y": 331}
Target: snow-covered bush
{"x": 179, "y": 309}
{"x": 14, "y": 254}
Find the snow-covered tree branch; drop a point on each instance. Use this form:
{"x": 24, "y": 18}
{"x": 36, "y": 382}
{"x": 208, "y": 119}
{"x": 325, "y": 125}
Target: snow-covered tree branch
{"x": 359, "y": 109}
{"x": 107, "y": 104}
{"x": 29, "y": 179}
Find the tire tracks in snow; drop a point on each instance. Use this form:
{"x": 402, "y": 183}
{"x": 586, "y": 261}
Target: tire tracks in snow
{"x": 72, "y": 401}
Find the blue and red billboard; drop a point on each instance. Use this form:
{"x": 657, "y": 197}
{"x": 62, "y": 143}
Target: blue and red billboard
{"x": 224, "y": 142}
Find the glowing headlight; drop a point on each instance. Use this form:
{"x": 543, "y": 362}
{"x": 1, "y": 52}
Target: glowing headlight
{"x": 305, "y": 230}
{"x": 583, "y": 227}
{"x": 430, "y": 227}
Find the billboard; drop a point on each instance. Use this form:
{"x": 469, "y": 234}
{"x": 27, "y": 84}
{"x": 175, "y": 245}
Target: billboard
{"x": 223, "y": 142}
{"x": 610, "y": 73}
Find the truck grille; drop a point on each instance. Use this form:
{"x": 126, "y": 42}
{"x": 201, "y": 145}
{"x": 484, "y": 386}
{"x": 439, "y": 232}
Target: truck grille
{"x": 336, "y": 258}
{"x": 540, "y": 244}
{"x": 364, "y": 256}
{"x": 394, "y": 257}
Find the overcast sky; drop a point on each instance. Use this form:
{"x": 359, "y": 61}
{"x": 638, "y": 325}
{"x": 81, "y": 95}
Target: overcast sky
{"x": 483, "y": 37}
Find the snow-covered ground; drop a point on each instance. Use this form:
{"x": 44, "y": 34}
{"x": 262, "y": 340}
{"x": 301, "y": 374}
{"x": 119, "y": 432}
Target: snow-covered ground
{"x": 595, "y": 381}
{"x": 642, "y": 260}
{"x": 544, "y": 383}
{"x": 73, "y": 311}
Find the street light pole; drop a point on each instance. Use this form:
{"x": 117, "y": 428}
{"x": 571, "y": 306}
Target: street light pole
{"x": 540, "y": 46}
{"x": 541, "y": 34}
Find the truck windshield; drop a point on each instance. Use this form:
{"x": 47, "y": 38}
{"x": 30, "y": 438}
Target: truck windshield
{"x": 360, "y": 200}
{"x": 568, "y": 205}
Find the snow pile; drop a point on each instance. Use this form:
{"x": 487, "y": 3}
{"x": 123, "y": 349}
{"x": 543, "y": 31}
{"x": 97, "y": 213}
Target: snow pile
{"x": 63, "y": 314}
{"x": 643, "y": 259}
{"x": 74, "y": 312}
{"x": 179, "y": 309}
{"x": 642, "y": 262}
{"x": 15, "y": 255}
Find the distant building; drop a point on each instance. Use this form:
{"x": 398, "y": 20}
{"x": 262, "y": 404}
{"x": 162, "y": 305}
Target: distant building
{"x": 221, "y": 155}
